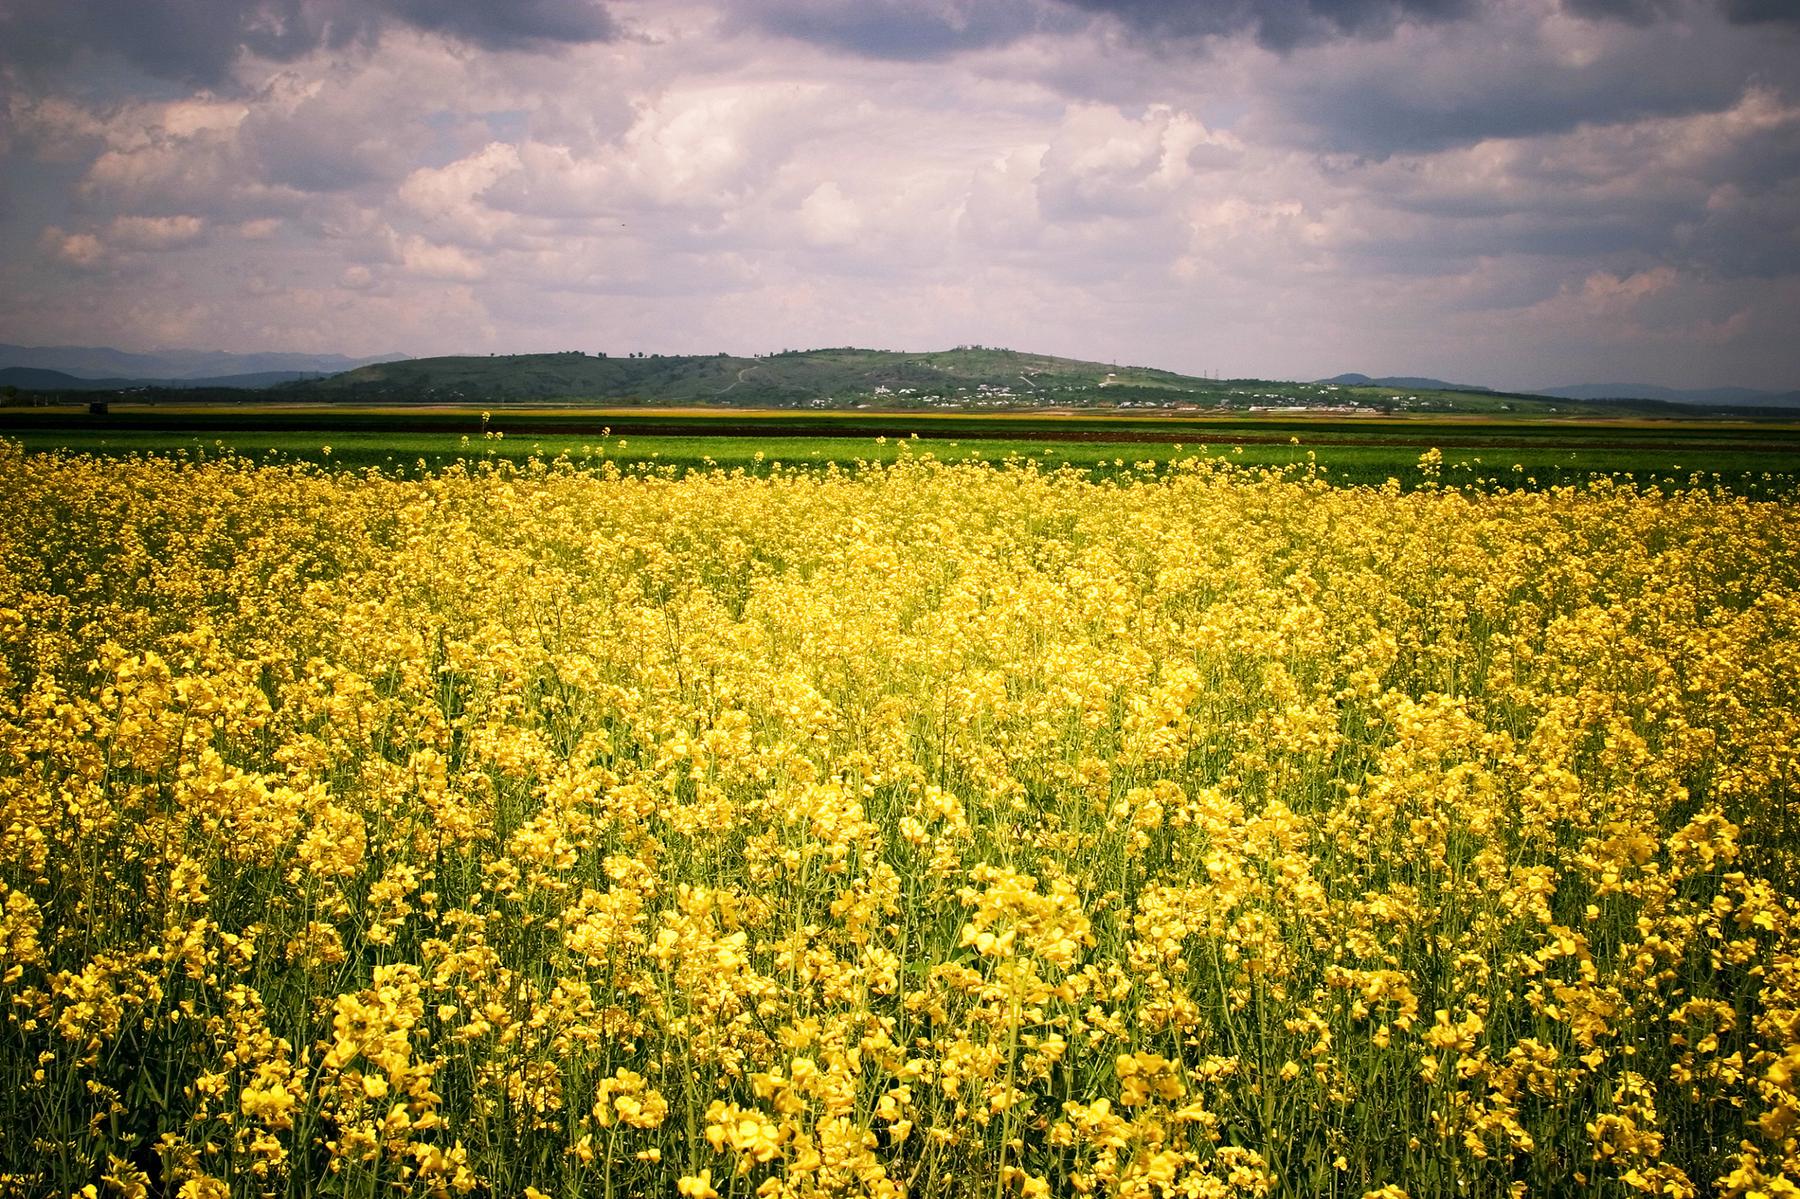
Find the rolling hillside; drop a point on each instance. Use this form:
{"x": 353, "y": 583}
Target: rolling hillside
{"x": 967, "y": 378}
{"x": 811, "y": 378}
{"x": 202, "y": 367}
{"x": 37, "y": 379}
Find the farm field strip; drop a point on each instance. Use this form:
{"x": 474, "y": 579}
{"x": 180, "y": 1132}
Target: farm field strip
{"x": 1758, "y": 469}
{"x": 1421, "y": 430}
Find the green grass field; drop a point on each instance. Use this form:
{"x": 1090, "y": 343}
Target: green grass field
{"x": 1748, "y": 459}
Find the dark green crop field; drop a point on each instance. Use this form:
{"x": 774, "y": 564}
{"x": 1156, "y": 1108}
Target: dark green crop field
{"x": 1761, "y": 458}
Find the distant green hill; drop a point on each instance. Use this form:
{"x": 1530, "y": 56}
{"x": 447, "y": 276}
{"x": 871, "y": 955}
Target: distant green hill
{"x": 967, "y": 379}
{"x": 1413, "y": 382}
{"x": 963, "y": 379}
{"x": 809, "y": 378}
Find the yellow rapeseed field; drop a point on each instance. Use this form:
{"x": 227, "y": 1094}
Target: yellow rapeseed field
{"x": 926, "y": 830}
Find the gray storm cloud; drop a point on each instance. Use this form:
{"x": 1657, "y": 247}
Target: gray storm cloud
{"x": 918, "y": 29}
{"x": 904, "y": 29}
{"x": 913, "y": 29}
{"x": 1278, "y": 24}
{"x": 198, "y": 40}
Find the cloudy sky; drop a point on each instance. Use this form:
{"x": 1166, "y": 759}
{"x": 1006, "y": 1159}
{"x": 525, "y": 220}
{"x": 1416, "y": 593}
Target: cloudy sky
{"x": 1512, "y": 192}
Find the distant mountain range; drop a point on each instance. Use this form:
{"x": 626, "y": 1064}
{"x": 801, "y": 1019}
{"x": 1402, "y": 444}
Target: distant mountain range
{"x": 31, "y": 378}
{"x": 965, "y": 378}
{"x": 105, "y": 363}
{"x": 1736, "y": 397}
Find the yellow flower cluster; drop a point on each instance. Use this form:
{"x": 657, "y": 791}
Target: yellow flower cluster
{"x": 924, "y": 830}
